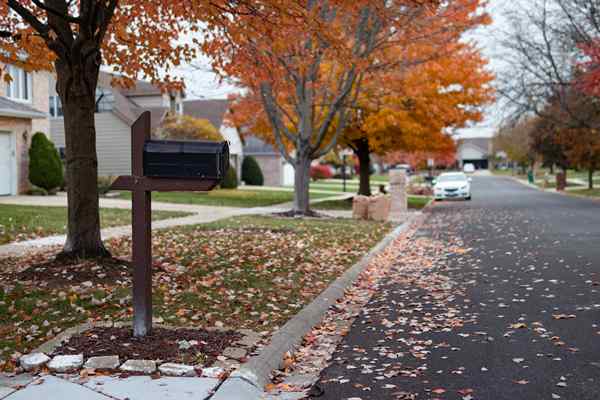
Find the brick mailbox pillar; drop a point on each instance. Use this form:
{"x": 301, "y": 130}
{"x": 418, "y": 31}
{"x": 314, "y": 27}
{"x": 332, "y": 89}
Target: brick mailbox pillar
{"x": 399, "y": 206}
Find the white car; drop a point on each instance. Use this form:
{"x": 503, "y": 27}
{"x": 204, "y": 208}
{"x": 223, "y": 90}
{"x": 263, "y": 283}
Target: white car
{"x": 468, "y": 168}
{"x": 452, "y": 185}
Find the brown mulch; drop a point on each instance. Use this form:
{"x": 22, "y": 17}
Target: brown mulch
{"x": 55, "y": 273}
{"x": 162, "y": 345}
{"x": 298, "y": 214}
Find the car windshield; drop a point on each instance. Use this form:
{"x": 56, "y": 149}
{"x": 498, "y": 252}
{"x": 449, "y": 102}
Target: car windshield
{"x": 452, "y": 178}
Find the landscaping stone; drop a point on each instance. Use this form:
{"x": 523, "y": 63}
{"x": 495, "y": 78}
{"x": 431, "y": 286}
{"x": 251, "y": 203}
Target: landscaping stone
{"x": 227, "y": 365}
{"x": 143, "y": 366}
{"x": 250, "y": 339}
{"x": 184, "y": 345}
{"x": 235, "y": 352}
{"x": 103, "y": 363}
{"x": 212, "y": 372}
{"x": 33, "y": 361}
{"x": 172, "y": 369}
{"x": 66, "y": 363}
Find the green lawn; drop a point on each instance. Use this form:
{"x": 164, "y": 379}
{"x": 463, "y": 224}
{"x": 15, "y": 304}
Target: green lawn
{"x": 27, "y": 222}
{"x": 244, "y": 272}
{"x": 228, "y": 197}
{"x": 586, "y": 192}
{"x": 415, "y": 203}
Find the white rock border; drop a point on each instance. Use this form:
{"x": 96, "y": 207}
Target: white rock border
{"x": 72, "y": 364}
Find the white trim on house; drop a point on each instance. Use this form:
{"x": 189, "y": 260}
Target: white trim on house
{"x": 12, "y": 173}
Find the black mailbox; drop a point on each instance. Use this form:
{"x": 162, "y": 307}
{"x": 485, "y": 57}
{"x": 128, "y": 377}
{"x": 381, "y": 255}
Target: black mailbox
{"x": 186, "y": 159}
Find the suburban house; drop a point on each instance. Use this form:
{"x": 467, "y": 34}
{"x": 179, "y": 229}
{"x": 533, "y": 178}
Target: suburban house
{"x": 116, "y": 110}
{"x": 476, "y": 151}
{"x": 215, "y": 111}
{"x": 276, "y": 170}
{"x": 23, "y": 112}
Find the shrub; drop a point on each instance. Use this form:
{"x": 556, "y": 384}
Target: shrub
{"x": 321, "y": 171}
{"x": 45, "y": 166}
{"x": 230, "y": 181}
{"x": 251, "y": 172}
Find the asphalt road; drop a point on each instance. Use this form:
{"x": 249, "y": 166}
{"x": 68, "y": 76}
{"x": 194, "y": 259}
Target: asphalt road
{"x": 499, "y": 299}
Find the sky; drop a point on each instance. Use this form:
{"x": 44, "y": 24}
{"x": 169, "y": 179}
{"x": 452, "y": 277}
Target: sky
{"x": 202, "y": 83}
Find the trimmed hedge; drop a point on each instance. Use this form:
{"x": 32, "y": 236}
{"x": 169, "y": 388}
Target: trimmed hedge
{"x": 230, "y": 181}
{"x": 251, "y": 172}
{"x": 45, "y": 166}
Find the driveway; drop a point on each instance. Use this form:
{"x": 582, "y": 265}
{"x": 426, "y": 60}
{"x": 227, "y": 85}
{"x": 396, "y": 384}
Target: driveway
{"x": 499, "y": 298}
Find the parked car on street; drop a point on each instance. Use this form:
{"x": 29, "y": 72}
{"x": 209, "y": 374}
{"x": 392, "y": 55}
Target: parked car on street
{"x": 452, "y": 185}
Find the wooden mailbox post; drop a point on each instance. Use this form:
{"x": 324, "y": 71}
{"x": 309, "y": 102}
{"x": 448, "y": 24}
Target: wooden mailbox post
{"x": 142, "y": 187}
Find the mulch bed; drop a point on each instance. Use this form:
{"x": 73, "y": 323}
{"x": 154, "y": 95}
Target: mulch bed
{"x": 297, "y": 214}
{"x": 59, "y": 273}
{"x": 163, "y": 345}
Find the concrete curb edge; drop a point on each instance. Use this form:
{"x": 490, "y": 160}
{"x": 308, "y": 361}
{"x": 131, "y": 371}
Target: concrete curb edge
{"x": 248, "y": 382}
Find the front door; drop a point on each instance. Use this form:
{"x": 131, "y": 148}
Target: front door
{"x": 6, "y": 164}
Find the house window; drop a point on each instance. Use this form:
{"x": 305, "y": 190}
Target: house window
{"x": 56, "y": 109}
{"x": 20, "y": 88}
{"x": 105, "y": 100}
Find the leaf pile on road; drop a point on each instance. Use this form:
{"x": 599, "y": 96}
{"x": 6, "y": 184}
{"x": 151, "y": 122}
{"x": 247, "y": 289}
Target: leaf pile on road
{"x": 482, "y": 304}
{"x": 320, "y": 343}
{"x": 246, "y": 272}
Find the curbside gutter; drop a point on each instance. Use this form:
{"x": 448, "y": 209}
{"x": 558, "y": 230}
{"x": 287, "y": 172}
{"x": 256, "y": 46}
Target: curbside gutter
{"x": 247, "y": 383}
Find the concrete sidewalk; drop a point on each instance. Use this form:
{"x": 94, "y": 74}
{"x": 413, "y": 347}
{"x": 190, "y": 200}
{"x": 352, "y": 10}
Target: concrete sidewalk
{"x": 50, "y": 387}
{"x": 201, "y": 215}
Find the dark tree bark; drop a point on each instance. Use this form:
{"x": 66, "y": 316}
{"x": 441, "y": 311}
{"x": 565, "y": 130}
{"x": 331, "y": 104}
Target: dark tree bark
{"x": 363, "y": 152}
{"x": 76, "y": 86}
{"x": 591, "y": 179}
{"x": 76, "y": 42}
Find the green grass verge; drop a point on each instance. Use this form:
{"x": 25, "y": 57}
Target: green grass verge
{"x": 244, "y": 272}
{"x": 585, "y": 192}
{"x": 227, "y": 197}
{"x": 28, "y": 222}
{"x": 415, "y": 203}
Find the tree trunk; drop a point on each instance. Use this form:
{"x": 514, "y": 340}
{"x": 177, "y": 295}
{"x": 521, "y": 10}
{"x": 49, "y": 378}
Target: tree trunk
{"x": 302, "y": 184}
{"x": 363, "y": 152}
{"x": 591, "y": 179}
{"x": 76, "y": 86}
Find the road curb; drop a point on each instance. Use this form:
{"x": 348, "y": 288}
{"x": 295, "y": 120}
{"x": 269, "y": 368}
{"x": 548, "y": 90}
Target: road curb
{"x": 248, "y": 382}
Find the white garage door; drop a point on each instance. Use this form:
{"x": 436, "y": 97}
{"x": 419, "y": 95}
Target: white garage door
{"x": 6, "y": 164}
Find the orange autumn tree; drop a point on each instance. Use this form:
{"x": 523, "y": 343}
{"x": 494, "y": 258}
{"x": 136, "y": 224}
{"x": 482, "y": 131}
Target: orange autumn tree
{"x": 75, "y": 38}
{"x": 413, "y": 110}
{"x": 306, "y": 77}
{"x": 311, "y": 85}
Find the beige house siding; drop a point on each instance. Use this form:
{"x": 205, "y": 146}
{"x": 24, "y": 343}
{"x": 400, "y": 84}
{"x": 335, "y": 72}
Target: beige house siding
{"x": 113, "y": 143}
{"x": 41, "y": 101}
{"x": 22, "y": 129}
{"x": 271, "y": 167}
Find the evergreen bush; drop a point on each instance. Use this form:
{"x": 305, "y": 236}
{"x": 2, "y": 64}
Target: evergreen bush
{"x": 45, "y": 166}
{"x": 251, "y": 172}
{"x": 230, "y": 181}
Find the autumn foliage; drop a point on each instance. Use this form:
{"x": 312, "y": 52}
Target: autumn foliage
{"x": 407, "y": 95}
{"x": 185, "y": 127}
